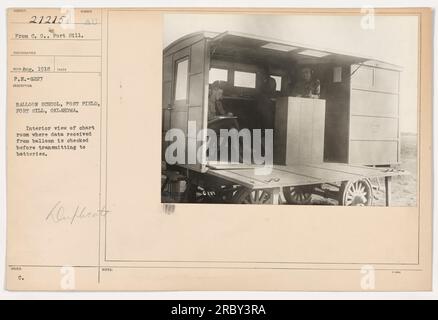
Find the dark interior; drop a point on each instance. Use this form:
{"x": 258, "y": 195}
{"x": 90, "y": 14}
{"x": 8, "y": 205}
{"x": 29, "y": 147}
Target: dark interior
{"x": 253, "y": 110}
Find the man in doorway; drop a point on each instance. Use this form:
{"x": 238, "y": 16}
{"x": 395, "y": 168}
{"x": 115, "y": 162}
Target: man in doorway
{"x": 307, "y": 86}
{"x": 265, "y": 104}
{"x": 215, "y": 98}
{"x": 218, "y": 117}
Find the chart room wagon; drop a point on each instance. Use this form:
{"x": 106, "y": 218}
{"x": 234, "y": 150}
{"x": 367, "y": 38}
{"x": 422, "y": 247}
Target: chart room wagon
{"x": 336, "y": 145}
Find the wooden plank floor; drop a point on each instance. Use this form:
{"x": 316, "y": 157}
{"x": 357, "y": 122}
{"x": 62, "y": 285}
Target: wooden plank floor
{"x": 296, "y": 175}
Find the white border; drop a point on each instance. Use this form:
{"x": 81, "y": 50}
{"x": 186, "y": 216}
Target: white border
{"x": 193, "y": 295}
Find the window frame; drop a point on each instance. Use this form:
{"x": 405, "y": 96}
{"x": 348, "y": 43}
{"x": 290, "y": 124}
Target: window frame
{"x": 243, "y": 87}
{"x": 225, "y": 69}
{"x": 176, "y": 64}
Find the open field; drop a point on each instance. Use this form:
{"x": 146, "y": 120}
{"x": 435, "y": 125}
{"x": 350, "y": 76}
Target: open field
{"x": 404, "y": 188}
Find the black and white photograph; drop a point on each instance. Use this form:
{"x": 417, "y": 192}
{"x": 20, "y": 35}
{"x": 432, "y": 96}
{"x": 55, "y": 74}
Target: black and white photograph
{"x": 290, "y": 110}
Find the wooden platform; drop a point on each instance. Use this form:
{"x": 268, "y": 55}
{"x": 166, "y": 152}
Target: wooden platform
{"x": 296, "y": 175}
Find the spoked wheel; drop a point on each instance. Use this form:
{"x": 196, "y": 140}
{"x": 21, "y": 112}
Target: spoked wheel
{"x": 258, "y": 197}
{"x": 298, "y": 195}
{"x": 247, "y": 196}
{"x": 226, "y": 194}
{"x": 356, "y": 193}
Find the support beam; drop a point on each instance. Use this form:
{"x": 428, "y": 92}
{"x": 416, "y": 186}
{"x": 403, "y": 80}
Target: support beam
{"x": 388, "y": 190}
{"x": 275, "y": 196}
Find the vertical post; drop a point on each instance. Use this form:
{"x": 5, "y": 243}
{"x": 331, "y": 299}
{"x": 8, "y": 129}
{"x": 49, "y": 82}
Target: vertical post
{"x": 388, "y": 190}
{"x": 275, "y": 196}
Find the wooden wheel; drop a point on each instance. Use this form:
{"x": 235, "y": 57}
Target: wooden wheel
{"x": 226, "y": 194}
{"x": 247, "y": 196}
{"x": 356, "y": 193}
{"x": 259, "y": 196}
{"x": 298, "y": 195}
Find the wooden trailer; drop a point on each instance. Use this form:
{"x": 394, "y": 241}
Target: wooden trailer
{"x": 332, "y": 146}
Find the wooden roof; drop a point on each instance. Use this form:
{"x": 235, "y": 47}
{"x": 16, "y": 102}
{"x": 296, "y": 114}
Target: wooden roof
{"x": 253, "y": 47}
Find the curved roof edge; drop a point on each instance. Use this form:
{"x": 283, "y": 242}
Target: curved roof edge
{"x": 217, "y": 35}
{"x": 204, "y": 34}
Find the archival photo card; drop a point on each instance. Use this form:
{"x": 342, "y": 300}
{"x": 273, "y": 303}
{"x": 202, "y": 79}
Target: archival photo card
{"x": 219, "y": 149}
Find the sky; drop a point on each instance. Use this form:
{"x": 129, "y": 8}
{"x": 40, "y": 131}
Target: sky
{"x": 392, "y": 39}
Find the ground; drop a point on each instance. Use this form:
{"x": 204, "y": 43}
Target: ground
{"x": 404, "y": 188}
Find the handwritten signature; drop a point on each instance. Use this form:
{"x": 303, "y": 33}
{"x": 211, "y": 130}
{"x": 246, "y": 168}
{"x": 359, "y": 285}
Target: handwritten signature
{"x": 59, "y": 214}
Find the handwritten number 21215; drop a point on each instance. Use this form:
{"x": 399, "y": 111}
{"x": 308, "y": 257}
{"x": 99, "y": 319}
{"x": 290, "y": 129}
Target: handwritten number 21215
{"x": 47, "y": 19}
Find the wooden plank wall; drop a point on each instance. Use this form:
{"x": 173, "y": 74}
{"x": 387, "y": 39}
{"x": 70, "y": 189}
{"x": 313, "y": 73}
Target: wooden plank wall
{"x": 299, "y": 131}
{"x": 176, "y": 114}
{"x": 374, "y": 116}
